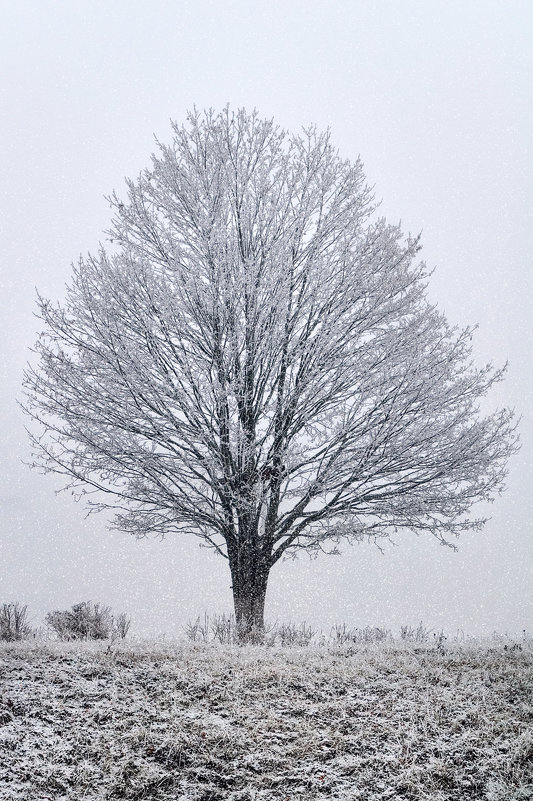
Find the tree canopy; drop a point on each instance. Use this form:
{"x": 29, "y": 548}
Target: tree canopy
{"x": 253, "y": 359}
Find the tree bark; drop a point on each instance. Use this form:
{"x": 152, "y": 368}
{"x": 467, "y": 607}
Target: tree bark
{"x": 249, "y": 584}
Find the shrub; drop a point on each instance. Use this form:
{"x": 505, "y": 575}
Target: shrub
{"x": 410, "y": 634}
{"x": 290, "y": 635}
{"x": 13, "y": 625}
{"x": 198, "y": 631}
{"x": 121, "y": 625}
{"x": 217, "y": 628}
{"x": 88, "y": 621}
{"x": 224, "y": 629}
{"x": 341, "y": 634}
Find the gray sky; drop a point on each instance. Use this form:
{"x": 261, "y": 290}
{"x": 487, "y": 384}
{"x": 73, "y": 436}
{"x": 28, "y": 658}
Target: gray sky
{"x": 436, "y": 97}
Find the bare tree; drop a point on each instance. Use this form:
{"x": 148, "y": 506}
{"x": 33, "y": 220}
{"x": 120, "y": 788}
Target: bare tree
{"x": 253, "y": 360}
{"x": 13, "y": 622}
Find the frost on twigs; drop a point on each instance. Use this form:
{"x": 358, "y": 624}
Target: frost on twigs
{"x": 254, "y": 360}
{"x": 88, "y": 621}
{"x": 13, "y": 622}
{"x": 224, "y": 630}
{"x": 381, "y": 721}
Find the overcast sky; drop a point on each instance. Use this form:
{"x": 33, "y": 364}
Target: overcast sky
{"x": 436, "y": 98}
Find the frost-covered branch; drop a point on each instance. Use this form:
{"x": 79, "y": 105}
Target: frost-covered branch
{"x": 254, "y": 360}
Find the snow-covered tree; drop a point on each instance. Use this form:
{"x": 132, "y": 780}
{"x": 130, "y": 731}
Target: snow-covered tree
{"x": 253, "y": 360}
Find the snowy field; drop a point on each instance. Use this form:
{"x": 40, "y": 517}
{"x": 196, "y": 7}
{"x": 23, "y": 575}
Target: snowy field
{"x": 390, "y": 720}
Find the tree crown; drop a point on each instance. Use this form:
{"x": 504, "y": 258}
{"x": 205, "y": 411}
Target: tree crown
{"x": 254, "y": 357}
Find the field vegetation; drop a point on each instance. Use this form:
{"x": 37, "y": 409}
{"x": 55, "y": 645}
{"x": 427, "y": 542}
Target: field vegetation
{"x": 354, "y": 715}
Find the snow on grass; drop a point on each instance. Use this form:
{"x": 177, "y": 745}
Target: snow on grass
{"x": 392, "y": 720}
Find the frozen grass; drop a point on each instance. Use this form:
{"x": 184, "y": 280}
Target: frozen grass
{"x": 385, "y": 720}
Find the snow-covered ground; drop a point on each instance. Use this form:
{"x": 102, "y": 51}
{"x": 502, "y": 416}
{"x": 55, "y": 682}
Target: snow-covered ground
{"x": 390, "y": 720}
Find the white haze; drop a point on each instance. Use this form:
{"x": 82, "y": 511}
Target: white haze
{"x": 436, "y": 98}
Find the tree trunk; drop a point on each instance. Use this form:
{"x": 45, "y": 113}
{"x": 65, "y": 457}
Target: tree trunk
{"x": 249, "y": 584}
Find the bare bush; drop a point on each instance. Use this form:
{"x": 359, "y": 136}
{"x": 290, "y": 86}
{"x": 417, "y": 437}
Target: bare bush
{"x": 88, "y": 621}
{"x": 290, "y": 634}
{"x": 341, "y": 634}
{"x": 224, "y": 629}
{"x": 13, "y": 625}
{"x": 420, "y": 634}
{"x": 439, "y": 639}
{"x": 121, "y": 625}
{"x": 198, "y": 631}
